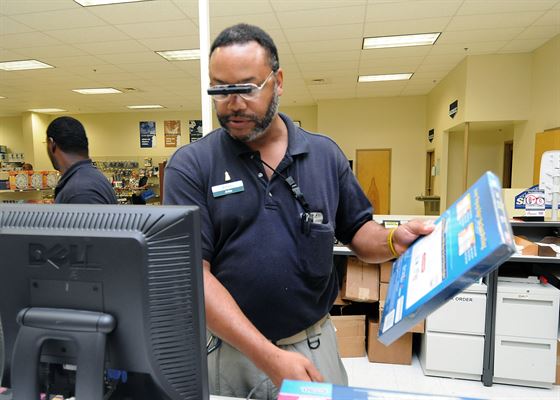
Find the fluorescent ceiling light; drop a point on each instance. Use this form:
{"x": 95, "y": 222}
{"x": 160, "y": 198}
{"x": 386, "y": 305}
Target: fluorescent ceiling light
{"x": 421, "y": 39}
{"x": 387, "y": 77}
{"x": 180, "y": 55}
{"x": 22, "y": 65}
{"x": 88, "y": 3}
{"x": 2, "y": 97}
{"x": 145, "y": 106}
{"x": 97, "y": 91}
{"x": 46, "y": 110}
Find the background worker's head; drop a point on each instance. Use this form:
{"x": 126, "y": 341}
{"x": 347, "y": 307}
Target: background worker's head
{"x": 66, "y": 142}
{"x": 246, "y": 54}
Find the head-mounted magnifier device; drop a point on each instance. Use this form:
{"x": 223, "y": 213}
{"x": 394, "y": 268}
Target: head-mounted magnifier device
{"x": 231, "y": 89}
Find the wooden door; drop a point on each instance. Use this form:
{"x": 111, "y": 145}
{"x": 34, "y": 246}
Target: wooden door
{"x": 373, "y": 170}
{"x": 544, "y": 141}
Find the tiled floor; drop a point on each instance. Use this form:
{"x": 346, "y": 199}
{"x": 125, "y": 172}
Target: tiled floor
{"x": 410, "y": 378}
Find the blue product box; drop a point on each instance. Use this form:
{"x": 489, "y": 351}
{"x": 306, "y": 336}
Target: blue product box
{"x": 298, "y": 390}
{"x": 471, "y": 239}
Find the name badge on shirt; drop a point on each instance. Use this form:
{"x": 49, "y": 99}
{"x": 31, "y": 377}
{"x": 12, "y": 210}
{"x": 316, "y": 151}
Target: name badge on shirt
{"x": 227, "y": 188}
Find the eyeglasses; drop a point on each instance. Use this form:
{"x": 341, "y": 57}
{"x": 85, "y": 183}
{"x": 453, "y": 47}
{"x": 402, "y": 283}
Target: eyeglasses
{"x": 247, "y": 91}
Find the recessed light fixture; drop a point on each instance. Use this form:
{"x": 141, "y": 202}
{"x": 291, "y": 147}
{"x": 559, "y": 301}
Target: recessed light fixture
{"x": 22, "y": 65}
{"x": 145, "y": 106}
{"x": 2, "y": 97}
{"x": 97, "y": 91}
{"x": 386, "y": 77}
{"x": 88, "y": 3}
{"x": 180, "y": 55}
{"x": 46, "y": 110}
{"x": 420, "y": 39}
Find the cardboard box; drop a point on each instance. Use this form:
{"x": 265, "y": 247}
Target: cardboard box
{"x": 471, "y": 239}
{"x": 399, "y": 352}
{"x": 350, "y": 334}
{"x": 383, "y": 287}
{"x": 339, "y": 301}
{"x": 361, "y": 282}
{"x": 385, "y": 271}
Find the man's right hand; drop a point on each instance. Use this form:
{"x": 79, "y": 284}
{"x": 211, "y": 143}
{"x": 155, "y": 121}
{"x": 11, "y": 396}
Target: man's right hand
{"x": 281, "y": 364}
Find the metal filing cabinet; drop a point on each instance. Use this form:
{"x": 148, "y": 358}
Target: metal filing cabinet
{"x": 457, "y": 328}
{"x": 526, "y": 334}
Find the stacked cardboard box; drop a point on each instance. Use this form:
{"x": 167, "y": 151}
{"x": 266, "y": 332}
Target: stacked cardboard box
{"x": 350, "y": 334}
{"x": 361, "y": 282}
{"x": 399, "y": 352}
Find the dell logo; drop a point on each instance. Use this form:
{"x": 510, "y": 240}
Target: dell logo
{"x": 57, "y": 256}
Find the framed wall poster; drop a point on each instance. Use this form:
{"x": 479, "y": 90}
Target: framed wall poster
{"x": 195, "y": 129}
{"x": 147, "y": 134}
{"x": 172, "y": 133}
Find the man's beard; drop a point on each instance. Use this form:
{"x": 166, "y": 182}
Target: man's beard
{"x": 261, "y": 125}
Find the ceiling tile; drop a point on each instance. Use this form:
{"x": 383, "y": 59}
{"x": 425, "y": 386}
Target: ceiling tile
{"x": 111, "y": 47}
{"x": 326, "y": 45}
{"x": 492, "y": 21}
{"x": 480, "y": 35}
{"x": 133, "y": 58}
{"x": 50, "y": 20}
{"x": 171, "y": 43}
{"x": 159, "y": 29}
{"x": 401, "y": 27}
{"x": 334, "y": 32}
{"x": 412, "y": 10}
{"x": 321, "y": 17}
{"x": 522, "y": 46}
{"x": 144, "y": 11}
{"x": 552, "y": 17}
{"x": 221, "y": 8}
{"x": 476, "y": 7}
{"x": 51, "y": 52}
{"x": 270, "y": 21}
{"x": 538, "y": 32}
{"x": 88, "y": 35}
{"x": 8, "y": 25}
{"x": 27, "y": 39}
{"x": 15, "y": 7}
{"x": 328, "y": 56}
{"x": 283, "y": 5}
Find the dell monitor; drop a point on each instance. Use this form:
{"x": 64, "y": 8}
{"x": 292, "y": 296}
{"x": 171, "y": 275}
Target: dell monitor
{"x": 103, "y": 288}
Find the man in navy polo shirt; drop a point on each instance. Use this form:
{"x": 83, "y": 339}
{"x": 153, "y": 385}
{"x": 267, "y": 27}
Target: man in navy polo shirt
{"x": 68, "y": 150}
{"x": 272, "y": 198}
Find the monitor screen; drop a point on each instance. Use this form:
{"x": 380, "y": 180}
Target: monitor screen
{"x": 139, "y": 264}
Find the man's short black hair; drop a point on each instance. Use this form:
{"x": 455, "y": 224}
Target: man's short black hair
{"x": 244, "y": 33}
{"x": 69, "y": 134}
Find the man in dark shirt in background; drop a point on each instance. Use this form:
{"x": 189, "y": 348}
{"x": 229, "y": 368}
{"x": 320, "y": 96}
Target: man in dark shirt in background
{"x": 81, "y": 182}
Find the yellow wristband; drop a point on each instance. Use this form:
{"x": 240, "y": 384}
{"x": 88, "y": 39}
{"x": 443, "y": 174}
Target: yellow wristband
{"x": 390, "y": 243}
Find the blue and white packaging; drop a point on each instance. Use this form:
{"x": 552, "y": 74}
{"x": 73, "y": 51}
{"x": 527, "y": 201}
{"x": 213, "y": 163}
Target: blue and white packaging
{"x": 471, "y": 239}
{"x": 298, "y": 390}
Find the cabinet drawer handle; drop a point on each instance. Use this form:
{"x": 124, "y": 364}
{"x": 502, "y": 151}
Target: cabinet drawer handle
{"x": 509, "y": 300}
{"x": 511, "y": 343}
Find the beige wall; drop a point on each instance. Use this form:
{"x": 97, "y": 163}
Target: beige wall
{"x": 11, "y": 134}
{"x": 498, "y": 87}
{"x": 397, "y": 123}
{"x": 449, "y": 89}
{"x": 544, "y": 111}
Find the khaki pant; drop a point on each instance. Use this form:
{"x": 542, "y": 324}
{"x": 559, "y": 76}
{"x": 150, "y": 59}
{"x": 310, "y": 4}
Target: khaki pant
{"x": 232, "y": 374}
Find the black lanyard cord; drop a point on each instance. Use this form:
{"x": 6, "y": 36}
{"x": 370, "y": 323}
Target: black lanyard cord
{"x": 296, "y": 191}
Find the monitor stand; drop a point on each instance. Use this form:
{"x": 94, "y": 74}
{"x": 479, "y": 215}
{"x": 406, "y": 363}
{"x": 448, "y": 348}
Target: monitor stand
{"x": 87, "y": 329}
